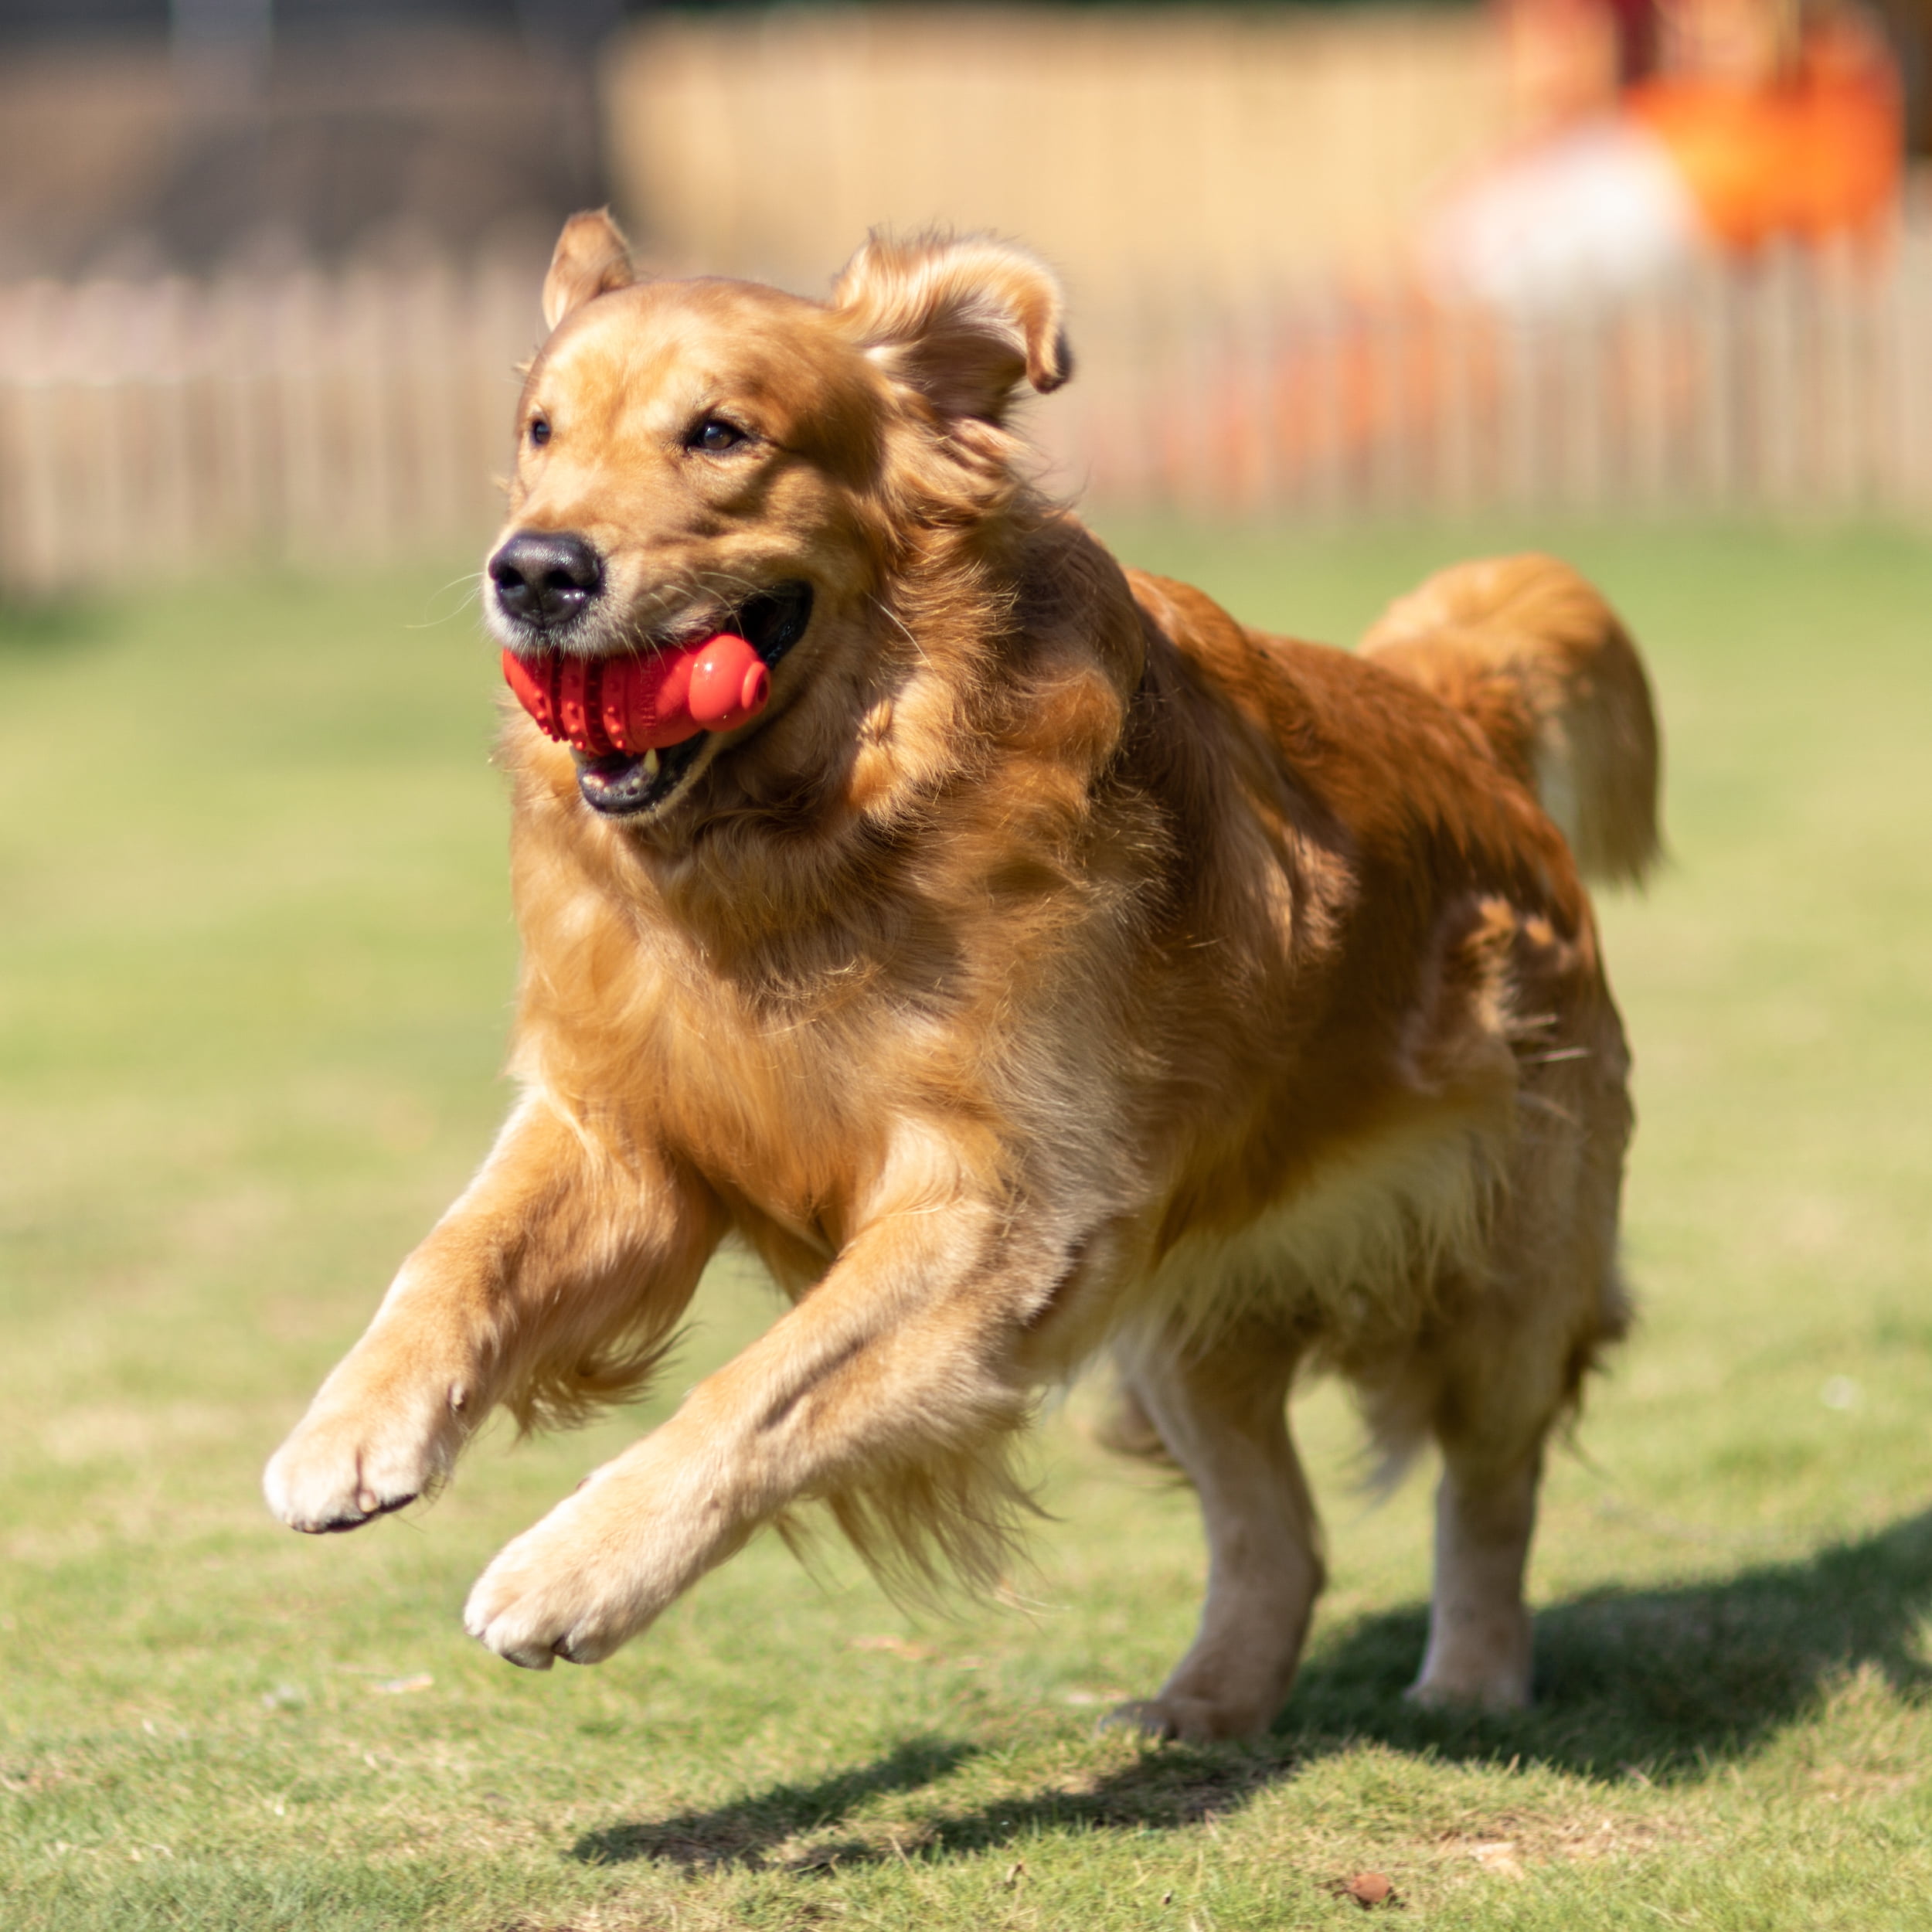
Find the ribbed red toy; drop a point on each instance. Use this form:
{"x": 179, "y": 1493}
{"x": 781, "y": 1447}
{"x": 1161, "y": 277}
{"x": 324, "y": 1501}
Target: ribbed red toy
{"x": 633, "y": 703}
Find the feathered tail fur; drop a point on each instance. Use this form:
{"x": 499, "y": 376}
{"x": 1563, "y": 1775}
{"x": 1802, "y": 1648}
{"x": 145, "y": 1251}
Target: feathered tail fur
{"x": 1529, "y": 651}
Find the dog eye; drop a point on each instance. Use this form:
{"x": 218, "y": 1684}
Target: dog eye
{"x": 539, "y": 431}
{"x": 714, "y": 434}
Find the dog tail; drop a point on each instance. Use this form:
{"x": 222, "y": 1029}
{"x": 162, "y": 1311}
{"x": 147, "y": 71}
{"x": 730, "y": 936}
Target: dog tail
{"x": 1528, "y": 651}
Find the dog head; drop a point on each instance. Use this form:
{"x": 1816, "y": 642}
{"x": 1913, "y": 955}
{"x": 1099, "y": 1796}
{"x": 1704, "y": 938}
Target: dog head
{"x": 706, "y": 455}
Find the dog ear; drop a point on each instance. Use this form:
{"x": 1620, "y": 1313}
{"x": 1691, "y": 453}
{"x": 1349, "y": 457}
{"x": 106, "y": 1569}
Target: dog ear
{"x": 962, "y": 321}
{"x": 592, "y": 258}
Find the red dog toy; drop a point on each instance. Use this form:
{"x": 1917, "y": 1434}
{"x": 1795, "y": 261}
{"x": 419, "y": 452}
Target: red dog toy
{"x": 632, "y": 704}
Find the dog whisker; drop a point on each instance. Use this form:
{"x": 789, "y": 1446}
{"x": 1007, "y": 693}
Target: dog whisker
{"x": 471, "y": 585}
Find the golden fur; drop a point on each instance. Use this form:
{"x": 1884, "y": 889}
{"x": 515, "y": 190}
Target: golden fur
{"x": 1057, "y": 971}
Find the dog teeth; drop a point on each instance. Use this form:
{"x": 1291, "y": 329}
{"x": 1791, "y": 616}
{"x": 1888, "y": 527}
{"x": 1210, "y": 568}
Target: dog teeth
{"x": 651, "y": 764}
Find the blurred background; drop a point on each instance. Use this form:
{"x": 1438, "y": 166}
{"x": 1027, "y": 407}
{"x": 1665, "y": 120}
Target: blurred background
{"x": 266, "y": 265}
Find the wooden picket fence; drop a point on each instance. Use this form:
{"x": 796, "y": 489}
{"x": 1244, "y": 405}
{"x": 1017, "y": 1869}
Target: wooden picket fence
{"x": 1798, "y": 384}
{"x": 170, "y": 427}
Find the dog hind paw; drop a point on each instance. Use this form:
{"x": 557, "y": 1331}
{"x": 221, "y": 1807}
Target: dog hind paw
{"x": 1494, "y": 1695}
{"x": 1183, "y": 1720}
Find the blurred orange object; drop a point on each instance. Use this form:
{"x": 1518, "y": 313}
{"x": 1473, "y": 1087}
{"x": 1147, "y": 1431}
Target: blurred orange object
{"x": 1817, "y": 154}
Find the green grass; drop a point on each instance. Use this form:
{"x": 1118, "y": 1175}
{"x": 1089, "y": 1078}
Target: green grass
{"x": 255, "y": 956}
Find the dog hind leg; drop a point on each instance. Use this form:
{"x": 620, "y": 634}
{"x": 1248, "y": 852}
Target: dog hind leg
{"x": 1487, "y": 1389}
{"x": 1505, "y": 1364}
{"x": 1494, "y": 1389}
{"x": 1223, "y": 1416}
{"x": 1479, "y": 1650}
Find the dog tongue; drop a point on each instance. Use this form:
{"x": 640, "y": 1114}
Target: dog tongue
{"x": 635, "y": 703}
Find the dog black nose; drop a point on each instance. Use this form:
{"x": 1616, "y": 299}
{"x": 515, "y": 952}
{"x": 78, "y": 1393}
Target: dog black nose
{"x": 546, "y": 577}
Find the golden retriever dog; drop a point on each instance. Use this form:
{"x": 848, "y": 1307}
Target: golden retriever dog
{"x": 1054, "y": 973}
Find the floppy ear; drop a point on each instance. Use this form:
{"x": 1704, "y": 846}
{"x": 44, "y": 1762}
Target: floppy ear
{"x": 961, "y": 321}
{"x": 592, "y": 257}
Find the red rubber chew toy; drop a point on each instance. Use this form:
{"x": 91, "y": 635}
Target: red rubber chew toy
{"x": 632, "y": 703}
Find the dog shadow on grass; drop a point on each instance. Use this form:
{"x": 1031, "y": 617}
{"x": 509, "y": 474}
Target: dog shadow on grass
{"x": 1663, "y": 1684}
{"x": 745, "y": 1830}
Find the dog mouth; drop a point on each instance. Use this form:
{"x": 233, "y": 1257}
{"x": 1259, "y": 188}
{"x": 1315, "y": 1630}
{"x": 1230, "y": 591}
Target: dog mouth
{"x": 622, "y": 785}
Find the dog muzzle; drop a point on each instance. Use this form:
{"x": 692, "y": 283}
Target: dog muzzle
{"x": 636, "y": 703}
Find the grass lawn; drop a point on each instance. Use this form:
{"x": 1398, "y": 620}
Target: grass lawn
{"x": 255, "y": 957}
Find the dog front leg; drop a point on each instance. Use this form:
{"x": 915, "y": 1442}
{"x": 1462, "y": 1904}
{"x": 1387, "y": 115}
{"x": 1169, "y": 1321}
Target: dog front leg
{"x": 904, "y": 1352}
{"x": 557, "y": 1246}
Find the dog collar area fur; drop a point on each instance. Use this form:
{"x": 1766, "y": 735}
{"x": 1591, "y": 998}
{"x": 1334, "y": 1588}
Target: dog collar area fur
{"x": 633, "y": 703}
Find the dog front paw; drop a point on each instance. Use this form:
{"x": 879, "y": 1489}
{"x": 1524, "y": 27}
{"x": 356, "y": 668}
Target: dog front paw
{"x": 561, "y": 1589}
{"x": 348, "y": 1462}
